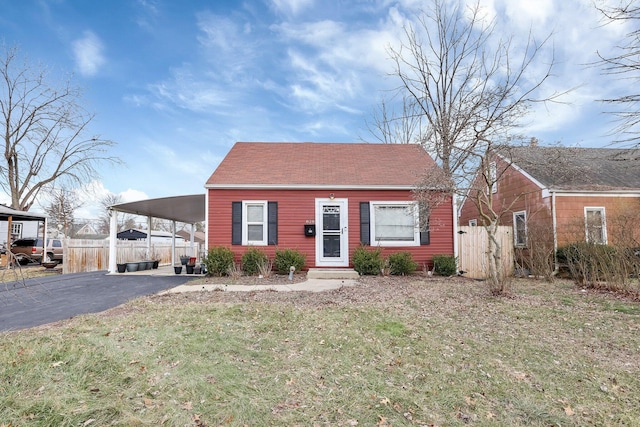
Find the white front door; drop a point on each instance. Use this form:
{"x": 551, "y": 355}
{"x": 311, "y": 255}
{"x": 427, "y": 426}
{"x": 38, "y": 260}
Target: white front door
{"x": 332, "y": 237}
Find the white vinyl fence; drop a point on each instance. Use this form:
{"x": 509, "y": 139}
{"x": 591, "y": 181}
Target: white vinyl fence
{"x": 93, "y": 255}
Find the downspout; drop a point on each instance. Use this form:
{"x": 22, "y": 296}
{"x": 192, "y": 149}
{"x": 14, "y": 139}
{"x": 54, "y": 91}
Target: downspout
{"x": 455, "y": 230}
{"x": 555, "y": 233}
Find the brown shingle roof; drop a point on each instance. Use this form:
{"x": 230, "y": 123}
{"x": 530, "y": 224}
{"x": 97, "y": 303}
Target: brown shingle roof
{"x": 321, "y": 164}
{"x": 570, "y": 168}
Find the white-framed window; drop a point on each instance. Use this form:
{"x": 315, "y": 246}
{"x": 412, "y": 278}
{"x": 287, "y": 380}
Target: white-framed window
{"x": 16, "y": 230}
{"x": 473, "y": 222}
{"x": 394, "y": 224}
{"x": 595, "y": 225}
{"x": 254, "y": 223}
{"x": 520, "y": 229}
{"x": 493, "y": 177}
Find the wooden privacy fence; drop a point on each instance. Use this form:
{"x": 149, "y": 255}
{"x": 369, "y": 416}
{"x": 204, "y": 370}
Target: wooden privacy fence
{"x": 473, "y": 245}
{"x": 93, "y": 255}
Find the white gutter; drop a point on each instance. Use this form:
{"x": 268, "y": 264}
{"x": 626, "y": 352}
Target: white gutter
{"x": 307, "y": 187}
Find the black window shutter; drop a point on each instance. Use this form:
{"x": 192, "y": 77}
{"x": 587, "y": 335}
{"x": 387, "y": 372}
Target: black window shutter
{"x": 365, "y": 223}
{"x": 236, "y": 223}
{"x": 425, "y": 236}
{"x": 272, "y": 218}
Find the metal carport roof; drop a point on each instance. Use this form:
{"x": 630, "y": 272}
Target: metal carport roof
{"x": 189, "y": 209}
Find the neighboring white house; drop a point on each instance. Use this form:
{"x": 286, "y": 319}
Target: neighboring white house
{"x": 23, "y": 224}
{"x": 87, "y": 230}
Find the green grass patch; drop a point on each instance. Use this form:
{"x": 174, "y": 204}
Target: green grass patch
{"x": 454, "y": 356}
{"x": 624, "y": 308}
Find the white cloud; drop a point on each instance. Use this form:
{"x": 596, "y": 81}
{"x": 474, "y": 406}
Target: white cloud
{"x": 333, "y": 65}
{"x": 148, "y": 13}
{"x": 185, "y": 90}
{"x": 88, "y": 54}
{"x": 530, "y": 12}
{"x": 220, "y": 32}
{"x": 292, "y": 7}
{"x": 295, "y": 75}
{"x": 132, "y": 195}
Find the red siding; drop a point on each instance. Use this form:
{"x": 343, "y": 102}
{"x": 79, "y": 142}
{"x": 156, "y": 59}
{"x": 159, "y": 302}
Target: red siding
{"x": 296, "y": 207}
{"x": 515, "y": 192}
{"x": 621, "y": 214}
{"x": 519, "y": 193}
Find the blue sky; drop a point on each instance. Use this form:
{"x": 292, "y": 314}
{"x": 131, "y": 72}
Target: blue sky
{"x": 176, "y": 83}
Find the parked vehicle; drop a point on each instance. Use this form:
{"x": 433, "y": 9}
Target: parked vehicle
{"x": 28, "y": 250}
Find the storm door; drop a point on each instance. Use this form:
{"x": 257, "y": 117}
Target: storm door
{"x": 332, "y": 239}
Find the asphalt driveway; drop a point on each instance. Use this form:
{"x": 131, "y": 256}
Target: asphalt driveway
{"x": 49, "y": 299}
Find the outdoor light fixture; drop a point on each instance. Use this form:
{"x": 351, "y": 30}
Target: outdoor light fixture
{"x": 332, "y": 196}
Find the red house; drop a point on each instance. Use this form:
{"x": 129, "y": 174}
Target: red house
{"x": 561, "y": 195}
{"x": 324, "y": 199}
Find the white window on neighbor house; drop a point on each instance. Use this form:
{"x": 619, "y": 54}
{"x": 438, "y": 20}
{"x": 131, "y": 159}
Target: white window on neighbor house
{"x": 520, "y": 229}
{"x": 595, "y": 225}
{"x": 473, "y": 222}
{"x": 254, "y": 223}
{"x": 394, "y": 224}
{"x": 16, "y": 230}
{"x": 493, "y": 177}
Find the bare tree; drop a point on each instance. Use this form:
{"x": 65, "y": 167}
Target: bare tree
{"x": 61, "y": 209}
{"x": 104, "y": 219}
{"x": 389, "y": 127}
{"x": 471, "y": 89}
{"x": 43, "y": 132}
{"x": 624, "y": 63}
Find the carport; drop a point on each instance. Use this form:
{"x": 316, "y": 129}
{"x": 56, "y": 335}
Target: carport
{"x": 9, "y": 215}
{"x": 186, "y": 209}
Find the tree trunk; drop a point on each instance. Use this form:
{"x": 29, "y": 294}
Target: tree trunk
{"x": 498, "y": 283}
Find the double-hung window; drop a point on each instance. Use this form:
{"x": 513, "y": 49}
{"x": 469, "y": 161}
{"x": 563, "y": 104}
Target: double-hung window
{"x": 520, "y": 229}
{"x": 254, "y": 223}
{"x": 493, "y": 177}
{"x": 595, "y": 225}
{"x": 394, "y": 224}
{"x": 16, "y": 230}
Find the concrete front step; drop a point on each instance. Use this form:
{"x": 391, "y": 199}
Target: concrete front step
{"x": 332, "y": 273}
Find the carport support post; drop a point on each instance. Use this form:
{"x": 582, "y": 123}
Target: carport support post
{"x": 173, "y": 242}
{"x": 113, "y": 234}
{"x": 192, "y": 240}
{"x": 149, "y": 237}
{"x": 9, "y": 241}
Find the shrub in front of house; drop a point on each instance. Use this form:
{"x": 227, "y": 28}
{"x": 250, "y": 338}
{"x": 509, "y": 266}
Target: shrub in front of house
{"x": 597, "y": 265}
{"x": 444, "y": 265}
{"x": 252, "y": 260}
{"x": 285, "y": 258}
{"x": 401, "y": 263}
{"x": 218, "y": 260}
{"x": 367, "y": 261}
